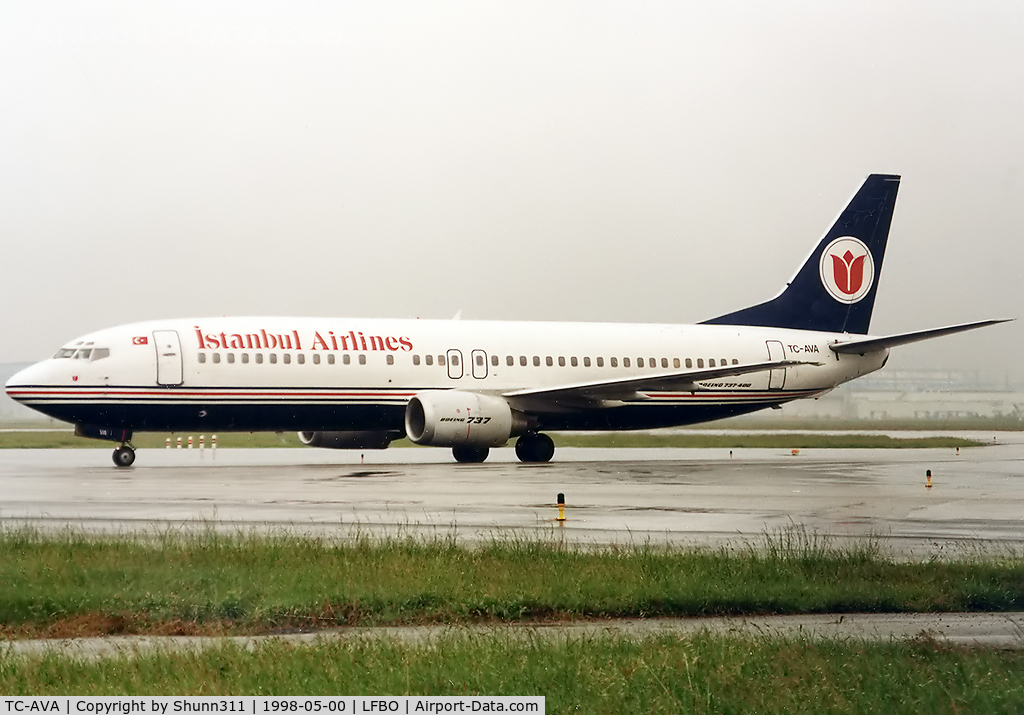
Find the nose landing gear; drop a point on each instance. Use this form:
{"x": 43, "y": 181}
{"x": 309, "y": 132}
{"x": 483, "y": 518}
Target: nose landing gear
{"x": 124, "y": 456}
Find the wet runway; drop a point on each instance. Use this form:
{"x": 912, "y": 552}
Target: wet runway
{"x": 682, "y": 496}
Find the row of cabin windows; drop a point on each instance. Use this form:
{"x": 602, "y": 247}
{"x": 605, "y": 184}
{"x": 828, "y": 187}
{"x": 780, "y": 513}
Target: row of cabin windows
{"x": 510, "y": 360}
{"x": 286, "y": 358}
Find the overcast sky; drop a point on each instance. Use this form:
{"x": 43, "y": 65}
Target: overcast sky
{"x": 627, "y": 161}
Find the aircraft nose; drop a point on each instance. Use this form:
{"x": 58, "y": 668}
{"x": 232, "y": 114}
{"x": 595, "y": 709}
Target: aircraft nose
{"x": 17, "y": 386}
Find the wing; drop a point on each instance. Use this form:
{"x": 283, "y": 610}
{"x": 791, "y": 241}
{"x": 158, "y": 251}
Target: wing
{"x": 595, "y": 393}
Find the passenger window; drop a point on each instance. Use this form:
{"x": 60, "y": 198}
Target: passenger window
{"x": 510, "y": 361}
{"x": 711, "y": 362}
{"x": 600, "y": 362}
{"x": 301, "y": 358}
{"x": 494, "y": 360}
{"x": 723, "y": 362}
{"x": 415, "y": 359}
{"x": 330, "y": 359}
{"x": 430, "y": 359}
{"x": 653, "y": 362}
{"x": 639, "y": 362}
{"x": 100, "y": 353}
{"x": 561, "y": 361}
{"x": 536, "y": 360}
{"x": 735, "y": 361}
{"x": 689, "y": 362}
{"x": 259, "y": 358}
{"x": 287, "y": 358}
{"x": 614, "y": 362}
{"x": 455, "y": 360}
{"x": 316, "y": 359}
{"x": 625, "y": 362}
{"x": 390, "y": 359}
{"x": 201, "y": 357}
{"x": 549, "y": 361}
{"x": 664, "y": 362}
{"x": 675, "y": 362}
{"x": 479, "y": 360}
{"x": 362, "y": 358}
{"x": 586, "y": 362}
{"x": 574, "y": 362}
{"x": 231, "y": 357}
{"x": 245, "y": 358}
{"x": 273, "y": 358}
{"x": 700, "y": 362}
{"x": 346, "y": 359}
{"x": 440, "y": 360}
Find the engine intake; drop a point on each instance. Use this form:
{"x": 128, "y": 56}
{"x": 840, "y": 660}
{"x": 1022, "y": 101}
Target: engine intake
{"x": 348, "y": 440}
{"x": 453, "y": 418}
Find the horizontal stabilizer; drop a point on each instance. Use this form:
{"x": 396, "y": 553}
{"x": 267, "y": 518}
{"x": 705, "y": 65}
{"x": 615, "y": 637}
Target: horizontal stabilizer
{"x": 867, "y": 345}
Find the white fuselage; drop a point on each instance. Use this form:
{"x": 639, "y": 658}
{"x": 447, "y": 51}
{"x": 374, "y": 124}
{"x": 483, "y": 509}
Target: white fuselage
{"x": 273, "y": 373}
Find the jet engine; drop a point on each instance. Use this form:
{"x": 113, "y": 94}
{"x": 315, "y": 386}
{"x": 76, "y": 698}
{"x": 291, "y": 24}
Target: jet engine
{"x": 453, "y": 418}
{"x": 348, "y": 440}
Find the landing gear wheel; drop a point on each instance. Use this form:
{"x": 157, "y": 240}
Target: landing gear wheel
{"x": 535, "y": 447}
{"x": 470, "y": 455}
{"x": 124, "y": 456}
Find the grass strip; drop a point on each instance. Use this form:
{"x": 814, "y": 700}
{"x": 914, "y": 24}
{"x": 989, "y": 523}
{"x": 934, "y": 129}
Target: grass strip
{"x": 595, "y": 674}
{"x": 67, "y": 440}
{"x": 72, "y": 584}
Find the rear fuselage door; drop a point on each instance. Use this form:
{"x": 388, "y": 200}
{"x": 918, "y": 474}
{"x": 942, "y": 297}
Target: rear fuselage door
{"x": 776, "y": 378}
{"x": 168, "y": 357}
{"x": 479, "y": 364}
{"x": 455, "y": 367}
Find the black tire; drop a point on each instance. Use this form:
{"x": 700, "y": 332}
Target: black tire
{"x": 470, "y": 455}
{"x": 124, "y": 456}
{"x": 535, "y": 448}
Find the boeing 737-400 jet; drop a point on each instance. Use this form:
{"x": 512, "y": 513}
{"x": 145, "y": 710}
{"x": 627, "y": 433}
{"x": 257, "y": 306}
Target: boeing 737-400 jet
{"x": 473, "y": 385}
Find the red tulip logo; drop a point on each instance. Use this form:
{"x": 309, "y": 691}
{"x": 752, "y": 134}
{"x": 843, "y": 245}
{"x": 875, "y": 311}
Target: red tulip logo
{"x": 848, "y": 272}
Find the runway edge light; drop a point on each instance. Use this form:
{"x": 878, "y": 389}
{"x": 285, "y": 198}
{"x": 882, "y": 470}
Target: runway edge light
{"x": 928, "y": 474}
{"x": 561, "y": 506}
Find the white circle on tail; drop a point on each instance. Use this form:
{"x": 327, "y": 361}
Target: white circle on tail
{"x": 847, "y": 269}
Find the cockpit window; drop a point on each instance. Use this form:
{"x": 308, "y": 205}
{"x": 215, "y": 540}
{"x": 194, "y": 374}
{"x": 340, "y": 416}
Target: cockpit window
{"x": 64, "y": 353}
{"x": 100, "y": 353}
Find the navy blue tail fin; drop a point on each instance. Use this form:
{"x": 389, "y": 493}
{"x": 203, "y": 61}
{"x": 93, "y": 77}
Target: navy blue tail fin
{"x": 835, "y": 289}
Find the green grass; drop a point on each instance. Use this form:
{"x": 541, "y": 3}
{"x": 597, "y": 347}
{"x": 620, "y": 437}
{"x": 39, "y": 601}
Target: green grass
{"x": 761, "y": 441}
{"x": 596, "y": 674}
{"x": 73, "y": 584}
{"x": 65, "y": 440}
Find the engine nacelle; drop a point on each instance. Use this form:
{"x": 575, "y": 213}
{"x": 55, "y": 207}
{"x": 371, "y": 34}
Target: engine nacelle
{"x": 348, "y": 440}
{"x": 453, "y": 418}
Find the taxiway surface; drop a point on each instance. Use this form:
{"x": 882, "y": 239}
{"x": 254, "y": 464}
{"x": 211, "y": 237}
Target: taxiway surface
{"x": 683, "y": 496}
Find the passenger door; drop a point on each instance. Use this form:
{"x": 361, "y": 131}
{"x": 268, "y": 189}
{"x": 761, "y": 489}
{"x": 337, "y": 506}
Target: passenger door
{"x": 776, "y": 378}
{"x": 168, "y": 357}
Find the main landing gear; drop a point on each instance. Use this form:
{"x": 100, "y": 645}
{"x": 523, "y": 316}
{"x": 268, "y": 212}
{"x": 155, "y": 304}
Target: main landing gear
{"x": 470, "y": 455}
{"x": 124, "y": 456}
{"x": 531, "y": 447}
{"x": 535, "y": 447}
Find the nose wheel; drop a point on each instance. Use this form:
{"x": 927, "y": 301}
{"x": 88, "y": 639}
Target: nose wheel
{"x": 124, "y": 456}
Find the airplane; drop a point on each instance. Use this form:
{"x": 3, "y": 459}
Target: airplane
{"x": 474, "y": 385}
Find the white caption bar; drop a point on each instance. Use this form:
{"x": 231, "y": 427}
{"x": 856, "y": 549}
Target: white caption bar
{"x": 158, "y": 705}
